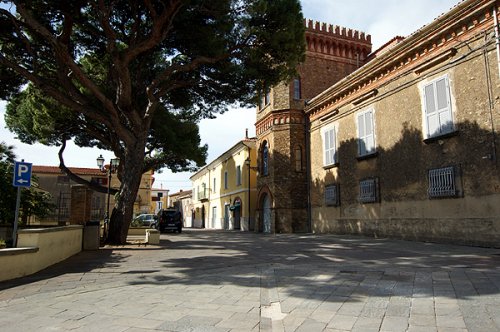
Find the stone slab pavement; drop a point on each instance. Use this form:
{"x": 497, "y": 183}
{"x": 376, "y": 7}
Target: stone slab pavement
{"x": 236, "y": 281}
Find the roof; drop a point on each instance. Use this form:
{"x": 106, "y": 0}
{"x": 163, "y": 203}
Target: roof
{"x": 182, "y": 193}
{"x": 74, "y": 170}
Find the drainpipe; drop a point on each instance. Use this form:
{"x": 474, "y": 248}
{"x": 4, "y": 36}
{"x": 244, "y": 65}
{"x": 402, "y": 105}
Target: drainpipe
{"x": 497, "y": 41}
{"x": 307, "y": 133}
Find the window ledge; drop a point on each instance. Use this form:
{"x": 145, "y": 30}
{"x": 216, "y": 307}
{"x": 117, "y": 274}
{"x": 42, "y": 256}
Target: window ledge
{"x": 439, "y": 137}
{"x": 331, "y": 166}
{"x": 367, "y": 156}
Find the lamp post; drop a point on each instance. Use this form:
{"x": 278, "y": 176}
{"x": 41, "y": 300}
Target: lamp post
{"x": 113, "y": 166}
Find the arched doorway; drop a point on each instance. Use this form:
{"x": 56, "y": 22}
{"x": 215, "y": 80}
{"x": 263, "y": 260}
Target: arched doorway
{"x": 266, "y": 213}
{"x": 203, "y": 216}
{"x": 237, "y": 213}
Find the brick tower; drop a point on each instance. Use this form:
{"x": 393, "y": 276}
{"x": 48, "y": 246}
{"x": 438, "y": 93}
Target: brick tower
{"x": 332, "y": 52}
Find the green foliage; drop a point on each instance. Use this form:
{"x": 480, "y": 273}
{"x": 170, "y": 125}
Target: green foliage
{"x": 33, "y": 202}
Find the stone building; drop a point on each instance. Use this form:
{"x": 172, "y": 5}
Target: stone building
{"x": 58, "y": 184}
{"x": 332, "y": 52}
{"x": 52, "y": 180}
{"x": 406, "y": 146}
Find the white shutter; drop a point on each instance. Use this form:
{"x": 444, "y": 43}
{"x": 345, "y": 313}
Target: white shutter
{"x": 366, "y": 133}
{"x": 329, "y": 146}
{"x": 438, "y": 115}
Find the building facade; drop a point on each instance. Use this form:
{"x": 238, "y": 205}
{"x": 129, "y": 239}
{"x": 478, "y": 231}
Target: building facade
{"x": 224, "y": 194}
{"x": 332, "y": 52}
{"x": 182, "y": 201}
{"x": 52, "y": 180}
{"x": 407, "y": 145}
{"x": 58, "y": 184}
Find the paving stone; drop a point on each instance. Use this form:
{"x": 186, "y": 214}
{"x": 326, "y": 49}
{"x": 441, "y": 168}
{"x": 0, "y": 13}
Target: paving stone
{"x": 394, "y": 323}
{"x": 342, "y": 322}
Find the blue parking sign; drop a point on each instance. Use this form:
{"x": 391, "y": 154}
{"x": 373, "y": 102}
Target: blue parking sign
{"x": 22, "y": 174}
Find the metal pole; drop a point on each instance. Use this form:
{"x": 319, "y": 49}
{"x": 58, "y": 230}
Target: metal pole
{"x": 109, "y": 191}
{"x": 249, "y": 210}
{"x": 14, "y": 231}
{"x": 497, "y": 38}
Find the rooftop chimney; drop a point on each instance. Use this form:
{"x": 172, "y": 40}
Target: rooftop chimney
{"x": 246, "y": 133}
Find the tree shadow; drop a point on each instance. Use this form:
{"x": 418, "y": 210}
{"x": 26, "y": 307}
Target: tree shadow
{"x": 401, "y": 172}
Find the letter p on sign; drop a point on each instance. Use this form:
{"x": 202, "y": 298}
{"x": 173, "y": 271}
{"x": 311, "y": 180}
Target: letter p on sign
{"x": 22, "y": 174}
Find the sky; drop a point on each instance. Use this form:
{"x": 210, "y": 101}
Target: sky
{"x": 382, "y": 19}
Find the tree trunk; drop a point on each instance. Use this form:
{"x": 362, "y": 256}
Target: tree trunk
{"x": 131, "y": 169}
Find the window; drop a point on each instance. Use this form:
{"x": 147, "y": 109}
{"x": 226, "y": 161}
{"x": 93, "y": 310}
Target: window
{"x": 443, "y": 182}
{"x": 296, "y": 89}
{"x": 238, "y": 175}
{"x": 298, "y": 159}
{"x": 437, "y": 108}
{"x": 332, "y": 195}
{"x": 366, "y": 133}
{"x": 225, "y": 180}
{"x": 265, "y": 98}
{"x": 368, "y": 189}
{"x": 214, "y": 187}
{"x": 265, "y": 158}
{"x": 329, "y": 135}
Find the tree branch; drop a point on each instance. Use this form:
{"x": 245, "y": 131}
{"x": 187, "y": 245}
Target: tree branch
{"x": 78, "y": 179}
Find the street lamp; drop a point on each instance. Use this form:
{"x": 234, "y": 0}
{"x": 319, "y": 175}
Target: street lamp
{"x": 113, "y": 166}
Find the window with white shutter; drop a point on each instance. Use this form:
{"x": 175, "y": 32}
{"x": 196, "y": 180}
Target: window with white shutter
{"x": 366, "y": 133}
{"x": 437, "y": 108}
{"x": 329, "y": 136}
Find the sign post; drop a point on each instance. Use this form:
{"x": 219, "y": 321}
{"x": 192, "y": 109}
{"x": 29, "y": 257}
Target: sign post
{"x": 21, "y": 178}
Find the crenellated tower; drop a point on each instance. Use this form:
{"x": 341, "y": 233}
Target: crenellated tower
{"x": 332, "y": 52}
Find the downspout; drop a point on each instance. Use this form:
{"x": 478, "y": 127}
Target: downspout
{"x": 307, "y": 133}
{"x": 497, "y": 40}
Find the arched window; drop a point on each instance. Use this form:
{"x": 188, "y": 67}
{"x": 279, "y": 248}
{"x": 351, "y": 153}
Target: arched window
{"x": 296, "y": 88}
{"x": 265, "y": 158}
{"x": 298, "y": 159}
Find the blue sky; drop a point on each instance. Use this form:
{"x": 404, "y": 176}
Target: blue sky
{"x": 382, "y": 19}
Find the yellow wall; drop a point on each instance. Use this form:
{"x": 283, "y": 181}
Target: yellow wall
{"x": 217, "y": 197}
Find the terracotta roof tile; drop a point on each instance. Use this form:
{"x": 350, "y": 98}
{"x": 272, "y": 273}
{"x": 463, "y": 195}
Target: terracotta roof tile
{"x": 75, "y": 170}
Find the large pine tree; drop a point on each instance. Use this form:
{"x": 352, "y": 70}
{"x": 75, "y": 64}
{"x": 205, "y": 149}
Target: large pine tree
{"x": 134, "y": 77}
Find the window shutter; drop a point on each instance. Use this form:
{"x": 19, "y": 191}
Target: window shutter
{"x": 438, "y": 107}
{"x": 366, "y": 135}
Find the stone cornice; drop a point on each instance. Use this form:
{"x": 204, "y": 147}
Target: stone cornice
{"x": 279, "y": 118}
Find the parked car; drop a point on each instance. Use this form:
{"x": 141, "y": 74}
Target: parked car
{"x": 169, "y": 220}
{"x": 144, "y": 220}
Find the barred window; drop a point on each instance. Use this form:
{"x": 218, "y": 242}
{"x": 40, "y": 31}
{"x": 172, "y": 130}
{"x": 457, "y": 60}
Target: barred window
{"x": 332, "y": 195}
{"x": 368, "y": 190}
{"x": 442, "y": 182}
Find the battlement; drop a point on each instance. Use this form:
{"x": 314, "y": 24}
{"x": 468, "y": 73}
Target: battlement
{"x": 336, "y": 31}
{"x": 339, "y": 42}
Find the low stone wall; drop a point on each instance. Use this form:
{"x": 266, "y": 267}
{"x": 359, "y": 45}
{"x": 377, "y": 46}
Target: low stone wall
{"x": 137, "y": 231}
{"x": 38, "y": 249}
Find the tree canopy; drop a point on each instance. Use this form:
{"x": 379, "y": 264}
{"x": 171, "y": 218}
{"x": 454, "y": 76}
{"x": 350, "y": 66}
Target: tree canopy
{"x": 135, "y": 77}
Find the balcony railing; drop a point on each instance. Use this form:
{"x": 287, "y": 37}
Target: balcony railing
{"x": 203, "y": 195}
